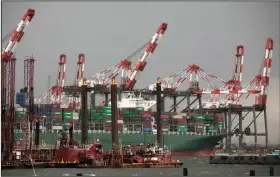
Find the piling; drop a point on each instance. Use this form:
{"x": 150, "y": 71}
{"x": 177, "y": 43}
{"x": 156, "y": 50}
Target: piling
{"x": 114, "y": 114}
{"x": 158, "y": 121}
{"x": 185, "y": 171}
{"x": 37, "y": 127}
{"x": 252, "y": 172}
{"x": 271, "y": 171}
{"x": 84, "y": 112}
{"x": 71, "y": 131}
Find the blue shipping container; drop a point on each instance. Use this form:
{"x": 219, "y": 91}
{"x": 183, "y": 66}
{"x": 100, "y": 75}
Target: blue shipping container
{"x": 41, "y": 123}
{"x": 164, "y": 113}
{"x": 147, "y": 119}
{"x": 147, "y": 129}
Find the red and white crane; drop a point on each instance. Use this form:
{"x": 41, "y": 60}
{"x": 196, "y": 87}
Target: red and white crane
{"x": 194, "y": 72}
{"x": 76, "y": 101}
{"x": 8, "y": 83}
{"x": 266, "y": 72}
{"x": 233, "y": 84}
{"x": 128, "y": 76}
{"x": 56, "y": 90}
{"x": 257, "y": 84}
{"x": 18, "y": 34}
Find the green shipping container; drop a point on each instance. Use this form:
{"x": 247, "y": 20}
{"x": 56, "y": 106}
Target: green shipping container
{"x": 106, "y": 111}
{"x": 66, "y": 125}
{"x": 198, "y": 117}
{"x": 108, "y": 121}
{"x": 182, "y": 128}
{"x": 20, "y": 113}
{"x": 213, "y": 131}
{"x": 92, "y": 110}
{"x": 68, "y": 113}
{"x": 68, "y": 116}
{"x": 199, "y": 126}
{"x": 56, "y": 113}
{"x": 140, "y": 109}
{"x": 106, "y": 107}
{"x": 98, "y": 118}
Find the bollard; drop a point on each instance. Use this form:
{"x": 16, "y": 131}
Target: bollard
{"x": 252, "y": 172}
{"x": 185, "y": 171}
{"x": 271, "y": 171}
{"x": 79, "y": 174}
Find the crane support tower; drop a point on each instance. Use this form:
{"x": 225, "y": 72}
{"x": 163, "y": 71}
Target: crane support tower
{"x": 29, "y": 96}
{"x": 8, "y": 62}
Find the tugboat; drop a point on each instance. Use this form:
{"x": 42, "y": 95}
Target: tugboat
{"x": 70, "y": 154}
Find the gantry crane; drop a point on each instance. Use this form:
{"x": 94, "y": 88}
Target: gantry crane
{"x": 56, "y": 90}
{"x": 8, "y": 85}
{"x": 75, "y": 102}
{"x": 129, "y": 76}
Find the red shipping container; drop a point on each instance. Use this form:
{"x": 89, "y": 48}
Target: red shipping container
{"x": 182, "y": 120}
{"x": 190, "y": 114}
{"x": 107, "y": 118}
{"x": 165, "y": 126}
{"x": 107, "y": 128}
{"x": 147, "y": 126}
{"x": 71, "y": 120}
{"x": 191, "y": 120}
{"x": 199, "y": 123}
{"x": 164, "y": 116}
{"x": 147, "y": 123}
{"x": 56, "y": 117}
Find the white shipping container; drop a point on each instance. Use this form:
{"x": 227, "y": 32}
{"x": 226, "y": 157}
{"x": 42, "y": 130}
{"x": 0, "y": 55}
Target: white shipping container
{"x": 18, "y": 153}
{"x": 57, "y": 127}
{"x": 182, "y": 114}
{"x": 63, "y": 106}
{"x": 177, "y": 117}
{"x": 75, "y": 116}
{"x": 19, "y": 109}
{"x": 120, "y": 121}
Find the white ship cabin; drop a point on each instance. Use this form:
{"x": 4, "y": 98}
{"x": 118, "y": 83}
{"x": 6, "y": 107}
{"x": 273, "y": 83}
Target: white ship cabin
{"x": 130, "y": 100}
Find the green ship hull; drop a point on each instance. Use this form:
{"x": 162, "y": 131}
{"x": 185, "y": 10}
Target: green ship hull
{"x": 176, "y": 143}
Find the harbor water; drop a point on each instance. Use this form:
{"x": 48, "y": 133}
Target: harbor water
{"x": 197, "y": 166}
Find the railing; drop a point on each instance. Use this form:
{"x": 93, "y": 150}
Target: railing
{"x": 36, "y": 147}
{"x": 150, "y": 133}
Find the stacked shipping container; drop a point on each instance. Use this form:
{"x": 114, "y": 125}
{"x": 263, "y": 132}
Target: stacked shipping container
{"x": 129, "y": 119}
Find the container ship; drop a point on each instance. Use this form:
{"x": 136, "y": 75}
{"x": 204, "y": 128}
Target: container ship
{"x": 184, "y": 135}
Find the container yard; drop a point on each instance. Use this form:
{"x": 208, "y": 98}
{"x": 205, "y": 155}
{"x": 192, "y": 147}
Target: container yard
{"x": 65, "y": 127}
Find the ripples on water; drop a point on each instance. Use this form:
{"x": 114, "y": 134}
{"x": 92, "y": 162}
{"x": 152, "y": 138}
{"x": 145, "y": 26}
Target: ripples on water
{"x": 196, "y": 167}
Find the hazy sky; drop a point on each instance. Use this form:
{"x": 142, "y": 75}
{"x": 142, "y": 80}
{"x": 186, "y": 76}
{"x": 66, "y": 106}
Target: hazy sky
{"x": 198, "y": 33}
